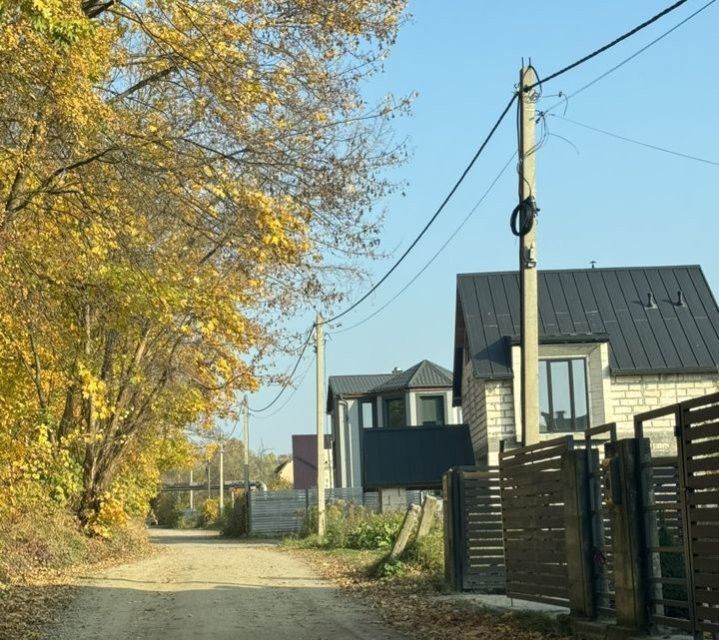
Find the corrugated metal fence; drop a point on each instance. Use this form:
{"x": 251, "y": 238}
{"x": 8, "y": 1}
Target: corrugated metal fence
{"x": 285, "y": 512}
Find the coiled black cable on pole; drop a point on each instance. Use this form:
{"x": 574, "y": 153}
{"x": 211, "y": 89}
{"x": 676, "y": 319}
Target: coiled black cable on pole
{"x": 522, "y": 218}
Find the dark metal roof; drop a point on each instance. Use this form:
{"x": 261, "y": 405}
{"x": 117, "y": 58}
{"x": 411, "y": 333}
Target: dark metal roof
{"x": 590, "y": 305}
{"x": 424, "y": 374}
{"x": 413, "y": 457}
{"x": 357, "y": 385}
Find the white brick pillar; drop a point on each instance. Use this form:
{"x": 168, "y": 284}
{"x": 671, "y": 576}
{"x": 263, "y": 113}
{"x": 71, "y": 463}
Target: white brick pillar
{"x": 394, "y": 499}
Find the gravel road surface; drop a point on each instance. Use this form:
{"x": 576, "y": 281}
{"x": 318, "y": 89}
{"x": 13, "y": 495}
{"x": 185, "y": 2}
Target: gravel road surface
{"x": 202, "y": 586}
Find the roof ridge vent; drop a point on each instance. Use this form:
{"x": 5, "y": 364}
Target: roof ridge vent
{"x": 651, "y": 302}
{"x": 680, "y": 299}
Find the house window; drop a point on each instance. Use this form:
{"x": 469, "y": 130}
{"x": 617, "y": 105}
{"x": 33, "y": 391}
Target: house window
{"x": 366, "y": 408}
{"x": 563, "y": 404}
{"x": 431, "y": 410}
{"x": 395, "y": 412}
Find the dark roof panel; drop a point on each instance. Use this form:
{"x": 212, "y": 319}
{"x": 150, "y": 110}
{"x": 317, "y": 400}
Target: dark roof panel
{"x": 413, "y": 457}
{"x": 598, "y": 302}
{"x": 357, "y": 385}
{"x": 424, "y": 374}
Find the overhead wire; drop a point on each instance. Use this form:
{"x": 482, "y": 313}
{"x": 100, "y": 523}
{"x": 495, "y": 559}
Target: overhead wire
{"x": 295, "y": 389}
{"x": 437, "y": 253}
{"x": 288, "y": 376}
{"x": 439, "y": 210}
{"x": 478, "y": 153}
{"x": 606, "y": 47}
{"x": 637, "y": 142}
{"x": 531, "y": 87}
{"x": 566, "y": 97}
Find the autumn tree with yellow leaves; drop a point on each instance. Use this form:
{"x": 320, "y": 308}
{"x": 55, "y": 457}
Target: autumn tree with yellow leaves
{"x": 172, "y": 173}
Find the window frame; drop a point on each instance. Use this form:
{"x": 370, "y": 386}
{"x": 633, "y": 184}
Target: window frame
{"x": 570, "y": 360}
{"x": 385, "y": 410}
{"x": 420, "y": 418}
{"x": 367, "y": 400}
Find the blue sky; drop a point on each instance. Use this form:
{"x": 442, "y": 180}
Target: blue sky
{"x": 606, "y": 200}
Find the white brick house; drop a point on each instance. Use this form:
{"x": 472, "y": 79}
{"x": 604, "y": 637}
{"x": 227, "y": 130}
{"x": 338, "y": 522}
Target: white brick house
{"x": 613, "y": 343}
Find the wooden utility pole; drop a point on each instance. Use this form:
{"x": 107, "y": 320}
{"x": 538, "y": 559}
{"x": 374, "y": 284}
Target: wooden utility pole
{"x": 320, "y": 351}
{"x": 528, "y": 260}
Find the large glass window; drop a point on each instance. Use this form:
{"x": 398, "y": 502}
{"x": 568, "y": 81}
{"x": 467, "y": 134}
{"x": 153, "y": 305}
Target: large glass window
{"x": 431, "y": 410}
{"x": 367, "y": 413}
{"x": 395, "y": 412}
{"x": 563, "y": 403}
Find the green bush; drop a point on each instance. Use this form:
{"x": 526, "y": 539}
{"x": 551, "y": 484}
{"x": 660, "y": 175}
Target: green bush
{"x": 167, "y": 509}
{"x": 374, "y": 531}
{"x": 210, "y": 512}
{"x": 338, "y": 520}
{"x": 350, "y": 527}
{"x": 189, "y": 519}
{"x": 427, "y": 554}
{"x": 234, "y": 520}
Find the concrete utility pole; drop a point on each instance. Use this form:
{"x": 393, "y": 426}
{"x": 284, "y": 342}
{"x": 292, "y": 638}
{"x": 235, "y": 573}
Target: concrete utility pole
{"x": 320, "y": 350}
{"x": 222, "y": 477}
{"x": 192, "y": 494}
{"x": 528, "y": 260}
{"x": 246, "y": 466}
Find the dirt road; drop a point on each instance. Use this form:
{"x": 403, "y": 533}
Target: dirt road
{"x": 204, "y": 587}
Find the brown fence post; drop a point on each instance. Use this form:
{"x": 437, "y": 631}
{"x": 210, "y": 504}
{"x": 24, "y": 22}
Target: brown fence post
{"x": 626, "y": 507}
{"x": 452, "y": 576}
{"x": 578, "y": 527}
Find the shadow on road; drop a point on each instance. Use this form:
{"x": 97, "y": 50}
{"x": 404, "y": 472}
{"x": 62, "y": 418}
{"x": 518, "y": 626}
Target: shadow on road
{"x": 219, "y": 612}
{"x": 159, "y": 535}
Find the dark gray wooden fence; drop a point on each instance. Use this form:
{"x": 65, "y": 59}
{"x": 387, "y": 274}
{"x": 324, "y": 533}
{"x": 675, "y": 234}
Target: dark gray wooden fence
{"x": 602, "y": 545}
{"x": 698, "y": 470}
{"x": 533, "y": 521}
{"x": 474, "y": 552}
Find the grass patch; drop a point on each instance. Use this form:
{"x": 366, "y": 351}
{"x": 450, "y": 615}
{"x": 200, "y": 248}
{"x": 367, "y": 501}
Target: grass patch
{"x": 350, "y": 529}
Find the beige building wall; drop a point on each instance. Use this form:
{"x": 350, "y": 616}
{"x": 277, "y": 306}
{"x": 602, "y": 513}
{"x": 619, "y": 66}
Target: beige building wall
{"x": 492, "y": 408}
{"x": 636, "y": 394}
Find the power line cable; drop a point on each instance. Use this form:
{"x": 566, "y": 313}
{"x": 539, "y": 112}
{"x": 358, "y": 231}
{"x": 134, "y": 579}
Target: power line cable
{"x": 439, "y": 210}
{"x": 566, "y": 97}
{"x": 606, "y": 47}
{"x": 489, "y": 136}
{"x": 289, "y": 376}
{"x": 296, "y": 388}
{"x": 539, "y": 82}
{"x": 439, "y": 251}
{"x": 637, "y": 142}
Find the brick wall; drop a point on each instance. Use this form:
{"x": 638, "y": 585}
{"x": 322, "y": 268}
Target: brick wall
{"x": 500, "y": 415}
{"x": 635, "y": 394}
{"x": 490, "y": 406}
{"x": 474, "y": 411}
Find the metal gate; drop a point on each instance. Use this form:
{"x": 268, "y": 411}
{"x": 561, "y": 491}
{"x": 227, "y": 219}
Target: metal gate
{"x": 474, "y": 554}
